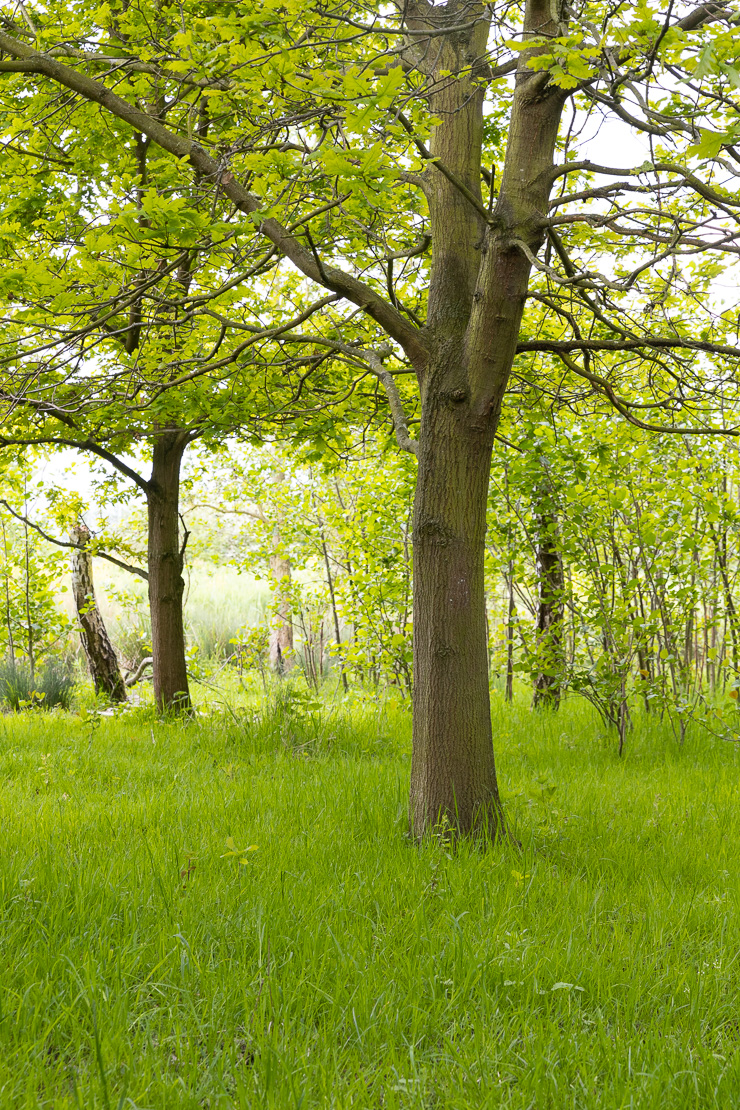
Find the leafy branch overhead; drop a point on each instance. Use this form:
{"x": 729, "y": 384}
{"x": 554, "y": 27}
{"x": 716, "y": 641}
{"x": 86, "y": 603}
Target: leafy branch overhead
{"x": 319, "y": 127}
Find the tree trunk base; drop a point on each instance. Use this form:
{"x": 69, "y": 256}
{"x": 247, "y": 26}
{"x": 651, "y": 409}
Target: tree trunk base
{"x": 488, "y": 826}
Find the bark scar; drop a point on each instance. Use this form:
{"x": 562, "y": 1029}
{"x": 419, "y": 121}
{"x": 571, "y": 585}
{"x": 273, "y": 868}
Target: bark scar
{"x": 435, "y": 531}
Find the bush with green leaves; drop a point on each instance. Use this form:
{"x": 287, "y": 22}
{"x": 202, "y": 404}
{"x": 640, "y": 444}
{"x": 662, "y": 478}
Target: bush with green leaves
{"x": 345, "y": 531}
{"x": 50, "y": 687}
{"x": 647, "y": 531}
{"x": 32, "y": 625}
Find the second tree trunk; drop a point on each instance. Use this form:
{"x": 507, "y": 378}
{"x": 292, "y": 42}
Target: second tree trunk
{"x": 166, "y": 584}
{"x": 550, "y": 609}
{"x": 101, "y": 657}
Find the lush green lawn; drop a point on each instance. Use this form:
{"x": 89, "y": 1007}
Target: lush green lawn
{"x": 340, "y": 965}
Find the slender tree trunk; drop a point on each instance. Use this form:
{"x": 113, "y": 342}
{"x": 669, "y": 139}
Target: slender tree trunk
{"x": 335, "y": 614}
{"x": 6, "y": 585}
{"x": 731, "y": 619}
{"x": 165, "y": 563}
{"x": 644, "y": 668}
{"x": 550, "y": 612}
{"x": 510, "y": 616}
{"x": 101, "y": 657}
{"x": 30, "y": 643}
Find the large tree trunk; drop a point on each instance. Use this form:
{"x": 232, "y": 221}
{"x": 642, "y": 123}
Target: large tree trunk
{"x": 550, "y": 610}
{"x": 165, "y": 564}
{"x": 453, "y": 776}
{"x": 478, "y": 286}
{"x": 101, "y": 657}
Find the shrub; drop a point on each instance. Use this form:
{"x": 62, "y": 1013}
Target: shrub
{"x": 51, "y": 686}
{"x": 218, "y": 612}
{"x": 56, "y": 682}
{"x": 133, "y": 637}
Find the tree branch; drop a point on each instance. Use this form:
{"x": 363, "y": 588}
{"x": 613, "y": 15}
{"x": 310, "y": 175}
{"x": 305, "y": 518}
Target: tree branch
{"x": 76, "y": 546}
{"x": 185, "y": 537}
{"x": 427, "y": 155}
{"x": 705, "y": 13}
{"x": 133, "y": 676}
{"x": 650, "y": 342}
{"x": 404, "y": 440}
{"x": 690, "y": 179}
{"x": 607, "y": 389}
{"x": 336, "y": 280}
{"x": 81, "y": 445}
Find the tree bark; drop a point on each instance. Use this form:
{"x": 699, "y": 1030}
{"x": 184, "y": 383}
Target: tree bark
{"x": 453, "y": 775}
{"x": 550, "y": 611}
{"x": 101, "y": 657}
{"x": 480, "y": 276}
{"x": 165, "y": 563}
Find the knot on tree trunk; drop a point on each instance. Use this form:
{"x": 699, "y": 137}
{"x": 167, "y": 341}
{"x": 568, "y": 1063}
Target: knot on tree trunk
{"x": 435, "y": 531}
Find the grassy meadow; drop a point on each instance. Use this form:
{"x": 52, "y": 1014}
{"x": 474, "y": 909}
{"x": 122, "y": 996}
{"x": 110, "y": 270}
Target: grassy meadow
{"x": 229, "y": 913}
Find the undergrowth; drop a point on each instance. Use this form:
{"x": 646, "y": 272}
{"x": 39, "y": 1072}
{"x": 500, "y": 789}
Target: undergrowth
{"x": 229, "y": 913}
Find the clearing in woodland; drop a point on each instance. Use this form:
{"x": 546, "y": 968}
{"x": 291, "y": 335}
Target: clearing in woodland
{"x": 226, "y": 913}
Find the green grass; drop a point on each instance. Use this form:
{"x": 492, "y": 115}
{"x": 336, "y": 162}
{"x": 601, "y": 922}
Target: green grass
{"x": 219, "y": 602}
{"x": 342, "y": 965}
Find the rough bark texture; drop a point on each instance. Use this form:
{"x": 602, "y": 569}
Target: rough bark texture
{"x": 165, "y": 564}
{"x": 453, "y": 774}
{"x": 480, "y": 275}
{"x": 550, "y": 613}
{"x": 99, "y": 651}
